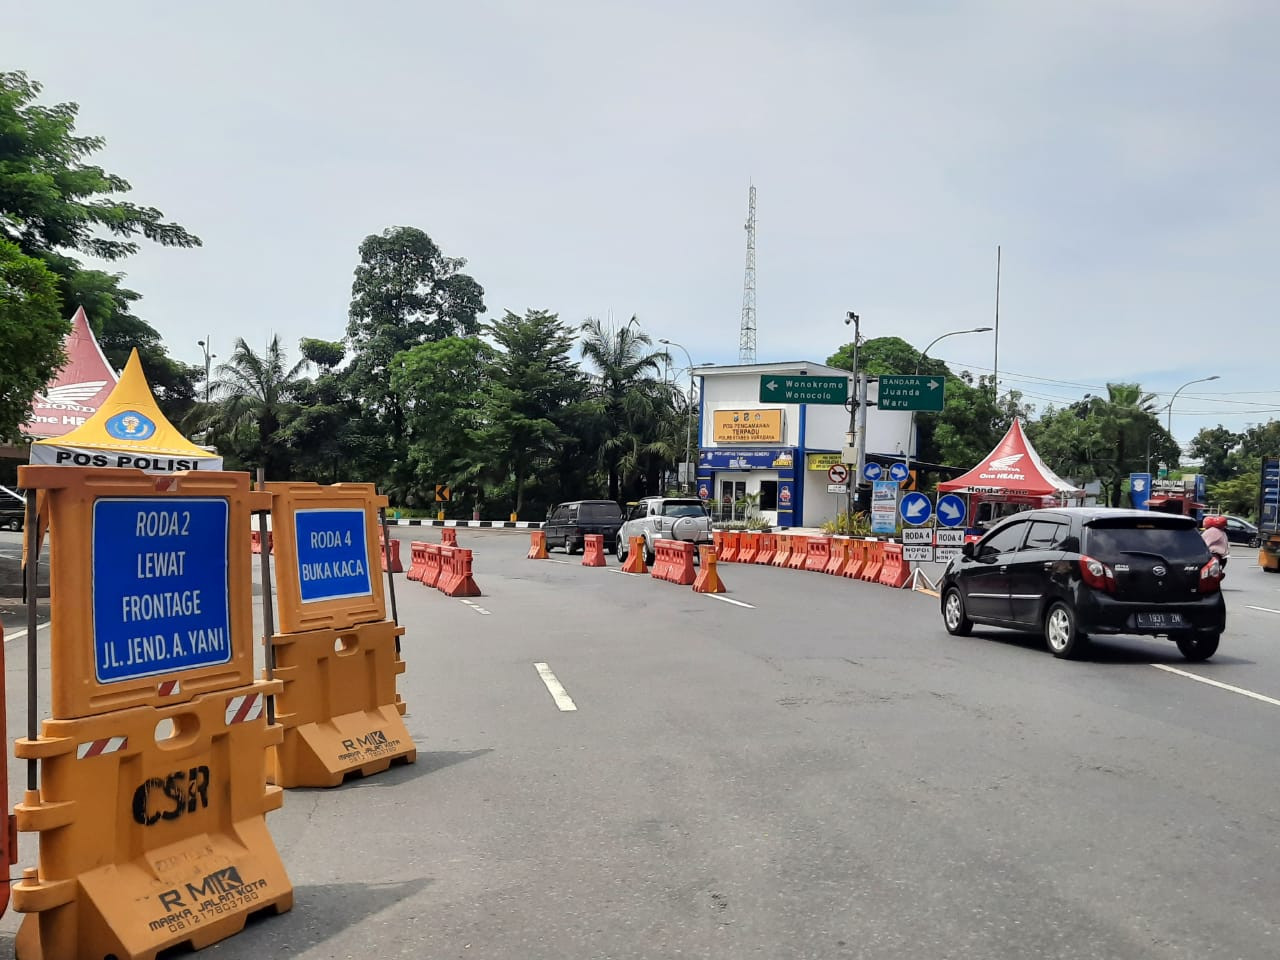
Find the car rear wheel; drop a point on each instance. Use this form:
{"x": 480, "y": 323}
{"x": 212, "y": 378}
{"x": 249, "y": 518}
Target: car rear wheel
{"x": 620, "y": 548}
{"x": 1198, "y": 646}
{"x": 953, "y": 615}
{"x": 15, "y": 524}
{"x": 1061, "y": 632}
{"x": 570, "y": 547}
{"x": 649, "y": 554}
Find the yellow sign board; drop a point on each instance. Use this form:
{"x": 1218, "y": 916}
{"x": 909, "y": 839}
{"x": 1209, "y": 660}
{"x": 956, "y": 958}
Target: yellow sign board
{"x": 747, "y": 426}
{"x": 822, "y": 461}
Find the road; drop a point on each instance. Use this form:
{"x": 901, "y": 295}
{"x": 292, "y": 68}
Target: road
{"x": 815, "y": 771}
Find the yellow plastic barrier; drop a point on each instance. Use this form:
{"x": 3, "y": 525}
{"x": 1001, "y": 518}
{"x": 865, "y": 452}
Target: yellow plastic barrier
{"x": 339, "y": 708}
{"x": 150, "y": 585}
{"x": 327, "y": 549}
{"x": 147, "y": 845}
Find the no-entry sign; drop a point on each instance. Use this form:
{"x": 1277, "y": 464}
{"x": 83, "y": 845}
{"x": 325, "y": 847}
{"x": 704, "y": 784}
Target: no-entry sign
{"x": 838, "y": 473}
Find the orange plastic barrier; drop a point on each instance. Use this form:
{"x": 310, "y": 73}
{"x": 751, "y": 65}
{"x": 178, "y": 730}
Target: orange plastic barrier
{"x": 875, "y": 560}
{"x": 538, "y": 545}
{"x": 449, "y": 536}
{"x": 593, "y": 550}
{"x": 339, "y": 707}
{"x": 857, "y": 557}
{"x": 396, "y": 565}
{"x": 839, "y": 556}
{"x": 433, "y": 566}
{"x": 817, "y": 554}
{"x": 786, "y": 542}
{"x": 131, "y": 553}
{"x": 148, "y": 845}
{"x": 674, "y": 562}
{"x": 731, "y": 544}
{"x": 708, "y": 578}
{"x": 456, "y": 579}
{"x": 417, "y": 560}
{"x": 325, "y": 573}
{"x": 717, "y": 541}
{"x": 896, "y": 571}
{"x": 255, "y": 542}
{"x": 799, "y": 553}
{"x": 635, "y": 557}
{"x": 748, "y": 547}
{"x": 768, "y": 545}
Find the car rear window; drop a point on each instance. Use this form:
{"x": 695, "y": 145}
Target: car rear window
{"x": 683, "y": 508}
{"x": 600, "y": 511}
{"x": 1175, "y": 544}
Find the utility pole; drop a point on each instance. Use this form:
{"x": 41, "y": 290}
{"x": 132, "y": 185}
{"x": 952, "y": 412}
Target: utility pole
{"x": 747, "y": 336}
{"x": 204, "y": 345}
{"x": 854, "y": 450}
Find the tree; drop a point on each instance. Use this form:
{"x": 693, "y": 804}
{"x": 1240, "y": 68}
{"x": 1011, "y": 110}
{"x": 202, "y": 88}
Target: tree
{"x": 254, "y": 398}
{"x": 31, "y": 329}
{"x": 532, "y": 392}
{"x": 1216, "y": 447}
{"x": 631, "y": 401}
{"x": 405, "y": 292}
{"x": 53, "y": 204}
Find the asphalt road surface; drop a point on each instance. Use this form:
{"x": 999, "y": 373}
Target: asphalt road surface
{"x": 615, "y": 767}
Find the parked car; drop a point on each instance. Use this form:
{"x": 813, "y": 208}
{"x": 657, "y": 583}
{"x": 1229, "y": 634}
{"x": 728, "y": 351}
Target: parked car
{"x": 1239, "y": 530}
{"x": 13, "y": 510}
{"x": 568, "y": 523}
{"x": 664, "y": 518}
{"x": 1071, "y": 573}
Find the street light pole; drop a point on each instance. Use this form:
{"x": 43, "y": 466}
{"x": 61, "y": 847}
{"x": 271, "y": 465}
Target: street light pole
{"x": 204, "y": 345}
{"x": 911, "y": 429}
{"x": 855, "y": 468}
{"x": 688, "y": 430}
{"x": 1168, "y": 426}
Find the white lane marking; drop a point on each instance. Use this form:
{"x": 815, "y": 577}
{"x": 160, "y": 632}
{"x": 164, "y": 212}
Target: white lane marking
{"x": 627, "y": 573}
{"x": 1263, "y": 609}
{"x": 736, "y": 603}
{"x": 553, "y": 560}
{"x": 22, "y": 633}
{"x": 554, "y": 687}
{"x": 1217, "y": 683}
{"x": 474, "y": 606}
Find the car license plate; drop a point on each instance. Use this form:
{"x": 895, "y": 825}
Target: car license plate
{"x": 1149, "y": 620}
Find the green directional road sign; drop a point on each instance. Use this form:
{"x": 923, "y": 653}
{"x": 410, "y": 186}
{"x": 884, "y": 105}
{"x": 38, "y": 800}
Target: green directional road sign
{"x": 910, "y": 392}
{"x": 784, "y": 388}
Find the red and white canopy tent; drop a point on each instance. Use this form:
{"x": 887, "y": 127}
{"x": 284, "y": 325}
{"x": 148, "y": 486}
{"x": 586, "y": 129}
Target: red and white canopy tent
{"x": 77, "y": 390}
{"x": 1014, "y": 473}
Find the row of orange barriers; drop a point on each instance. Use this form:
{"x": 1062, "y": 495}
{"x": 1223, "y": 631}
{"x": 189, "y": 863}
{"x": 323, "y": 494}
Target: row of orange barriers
{"x": 673, "y": 560}
{"x": 445, "y": 566}
{"x": 869, "y": 559}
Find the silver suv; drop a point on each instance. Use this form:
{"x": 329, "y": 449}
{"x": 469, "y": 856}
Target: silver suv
{"x": 664, "y": 518}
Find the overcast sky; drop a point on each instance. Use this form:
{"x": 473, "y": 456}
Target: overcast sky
{"x": 593, "y": 158}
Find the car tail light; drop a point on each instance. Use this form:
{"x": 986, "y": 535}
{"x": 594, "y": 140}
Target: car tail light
{"x": 1097, "y": 574}
{"x": 1211, "y": 577}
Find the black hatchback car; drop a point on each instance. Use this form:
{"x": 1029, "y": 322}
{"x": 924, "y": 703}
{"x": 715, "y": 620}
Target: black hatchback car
{"x": 568, "y": 523}
{"x": 1074, "y": 572}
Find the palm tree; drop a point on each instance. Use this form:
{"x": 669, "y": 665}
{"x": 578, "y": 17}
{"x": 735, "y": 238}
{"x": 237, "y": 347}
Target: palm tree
{"x": 628, "y": 394}
{"x": 253, "y": 398}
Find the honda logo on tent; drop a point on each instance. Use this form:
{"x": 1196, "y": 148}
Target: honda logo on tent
{"x": 1004, "y": 468}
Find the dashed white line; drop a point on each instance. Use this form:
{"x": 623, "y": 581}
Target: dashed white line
{"x": 1217, "y": 683}
{"x": 475, "y": 606}
{"x": 1263, "y": 609}
{"x": 627, "y": 573}
{"x": 553, "y": 560}
{"x": 555, "y": 688}
{"x": 22, "y": 633}
{"x": 736, "y": 603}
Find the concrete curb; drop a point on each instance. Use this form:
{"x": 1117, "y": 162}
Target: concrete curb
{"x": 492, "y": 524}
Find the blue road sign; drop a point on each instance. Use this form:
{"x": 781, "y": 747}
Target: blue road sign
{"x": 951, "y": 510}
{"x": 333, "y": 554}
{"x": 160, "y": 595}
{"x": 915, "y": 508}
{"x": 1140, "y": 490}
{"x": 871, "y": 471}
{"x": 899, "y": 472}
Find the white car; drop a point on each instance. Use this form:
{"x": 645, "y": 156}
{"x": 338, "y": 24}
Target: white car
{"x": 664, "y": 518}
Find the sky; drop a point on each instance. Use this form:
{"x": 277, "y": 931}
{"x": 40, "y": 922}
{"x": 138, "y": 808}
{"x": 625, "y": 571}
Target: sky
{"x": 593, "y": 158}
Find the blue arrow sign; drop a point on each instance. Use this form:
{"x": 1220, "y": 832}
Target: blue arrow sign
{"x": 872, "y": 471}
{"x": 951, "y": 510}
{"x": 915, "y": 508}
{"x": 899, "y": 472}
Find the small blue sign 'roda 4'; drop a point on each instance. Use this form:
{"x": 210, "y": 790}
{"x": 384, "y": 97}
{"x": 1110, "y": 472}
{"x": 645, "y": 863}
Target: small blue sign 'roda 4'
{"x": 333, "y": 554}
{"x": 160, "y": 594}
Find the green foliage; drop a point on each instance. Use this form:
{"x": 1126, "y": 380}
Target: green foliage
{"x": 325, "y": 354}
{"x": 857, "y": 524}
{"x": 1239, "y": 494}
{"x": 31, "y": 329}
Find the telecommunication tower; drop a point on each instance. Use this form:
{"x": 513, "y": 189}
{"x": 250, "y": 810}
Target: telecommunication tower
{"x": 747, "y": 338}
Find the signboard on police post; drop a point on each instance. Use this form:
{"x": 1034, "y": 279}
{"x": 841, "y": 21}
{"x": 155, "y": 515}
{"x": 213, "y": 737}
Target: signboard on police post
{"x": 333, "y": 554}
{"x": 160, "y": 585}
{"x": 949, "y": 538}
{"x": 918, "y": 553}
{"x": 917, "y": 536}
